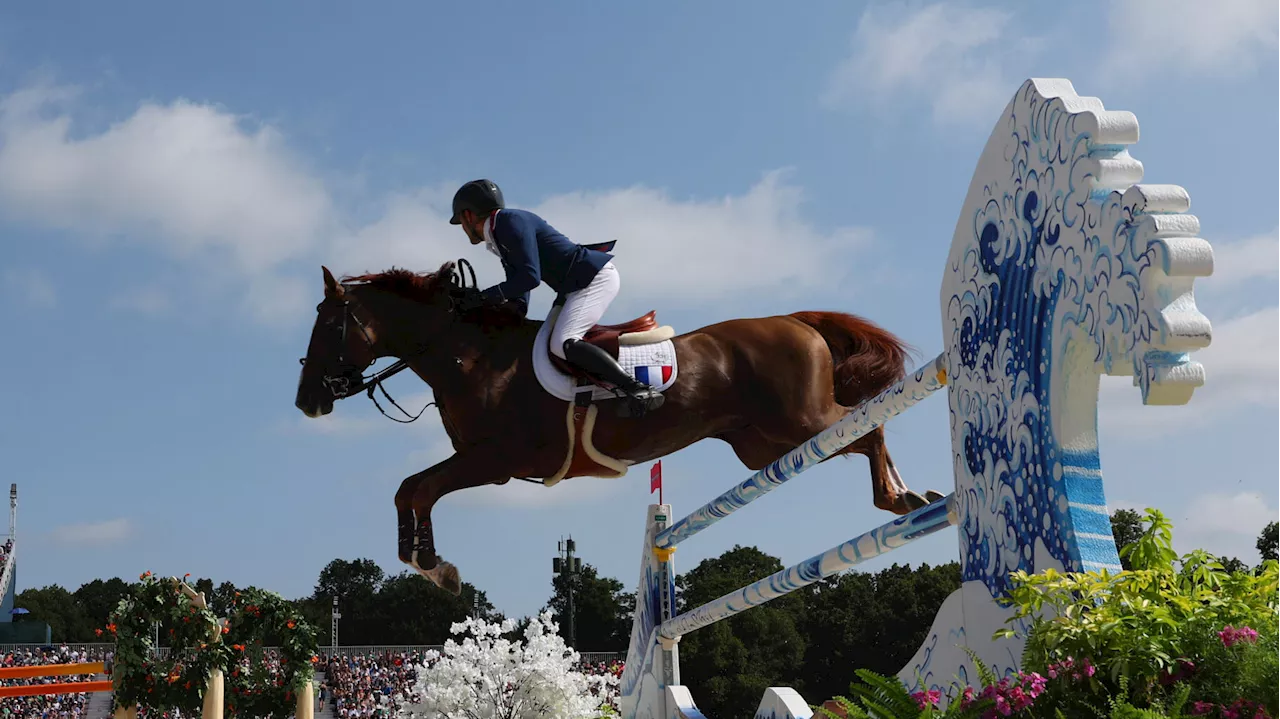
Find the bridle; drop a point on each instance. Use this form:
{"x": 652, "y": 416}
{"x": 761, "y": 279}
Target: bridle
{"x": 341, "y": 385}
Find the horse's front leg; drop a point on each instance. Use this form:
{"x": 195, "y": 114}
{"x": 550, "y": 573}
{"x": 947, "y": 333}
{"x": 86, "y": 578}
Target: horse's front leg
{"x": 472, "y": 467}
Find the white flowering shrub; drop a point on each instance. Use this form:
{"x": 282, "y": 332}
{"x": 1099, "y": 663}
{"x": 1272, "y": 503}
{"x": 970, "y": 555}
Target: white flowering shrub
{"x": 488, "y": 677}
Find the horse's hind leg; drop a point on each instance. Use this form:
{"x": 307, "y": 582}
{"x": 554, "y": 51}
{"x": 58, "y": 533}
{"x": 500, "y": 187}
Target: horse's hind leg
{"x": 888, "y": 490}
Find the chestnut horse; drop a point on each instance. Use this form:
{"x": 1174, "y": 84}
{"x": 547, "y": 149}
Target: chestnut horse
{"x": 763, "y": 385}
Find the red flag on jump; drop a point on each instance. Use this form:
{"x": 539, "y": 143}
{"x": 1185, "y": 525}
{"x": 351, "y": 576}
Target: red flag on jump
{"x": 655, "y": 479}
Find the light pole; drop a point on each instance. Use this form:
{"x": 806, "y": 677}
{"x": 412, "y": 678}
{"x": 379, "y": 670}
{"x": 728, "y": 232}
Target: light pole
{"x": 567, "y": 565}
{"x": 333, "y": 623}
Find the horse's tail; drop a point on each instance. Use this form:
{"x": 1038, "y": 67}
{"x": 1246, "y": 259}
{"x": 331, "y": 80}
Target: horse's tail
{"x": 867, "y": 357}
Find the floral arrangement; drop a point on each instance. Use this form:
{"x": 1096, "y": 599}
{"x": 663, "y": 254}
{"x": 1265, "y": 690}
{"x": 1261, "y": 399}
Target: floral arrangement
{"x": 256, "y": 687}
{"x": 179, "y": 682}
{"x": 199, "y": 644}
{"x": 487, "y": 676}
{"x": 1171, "y": 637}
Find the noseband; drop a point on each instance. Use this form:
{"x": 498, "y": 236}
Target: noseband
{"x": 341, "y": 387}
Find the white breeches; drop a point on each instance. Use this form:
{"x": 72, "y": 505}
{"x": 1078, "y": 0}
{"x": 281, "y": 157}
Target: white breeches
{"x": 583, "y": 309}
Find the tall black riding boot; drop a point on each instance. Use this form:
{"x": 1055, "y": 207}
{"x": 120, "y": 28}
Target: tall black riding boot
{"x": 597, "y": 363}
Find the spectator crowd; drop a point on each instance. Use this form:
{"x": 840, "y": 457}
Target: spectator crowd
{"x": 57, "y": 706}
{"x": 371, "y": 685}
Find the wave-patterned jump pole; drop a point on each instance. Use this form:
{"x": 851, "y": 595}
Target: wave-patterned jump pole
{"x": 866, "y": 417}
{"x": 1061, "y": 269}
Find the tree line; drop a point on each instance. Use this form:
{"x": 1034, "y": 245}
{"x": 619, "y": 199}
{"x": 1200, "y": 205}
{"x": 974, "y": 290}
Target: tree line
{"x": 810, "y": 639}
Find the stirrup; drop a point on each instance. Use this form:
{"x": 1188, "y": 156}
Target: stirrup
{"x": 638, "y": 404}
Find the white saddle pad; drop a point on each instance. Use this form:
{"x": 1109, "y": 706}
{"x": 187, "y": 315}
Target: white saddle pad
{"x": 653, "y": 363}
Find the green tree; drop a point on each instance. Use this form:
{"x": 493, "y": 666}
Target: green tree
{"x": 97, "y": 599}
{"x": 412, "y": 610}
{"x": 1126, "y": 527}
{"x": 869, "y": 621}
{"x": 729, "y": 664}
{"x": 1267, "y": 542}
{"x": 602, "y": 610}
{"x": 222, "y": 599}
{"x": 355, "y": 584}
{"x": 1232, "y": 565}
{"x": 58, "y": 608}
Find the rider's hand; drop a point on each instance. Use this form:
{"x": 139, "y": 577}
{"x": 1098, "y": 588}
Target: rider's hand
{"x": 468, "y": 301}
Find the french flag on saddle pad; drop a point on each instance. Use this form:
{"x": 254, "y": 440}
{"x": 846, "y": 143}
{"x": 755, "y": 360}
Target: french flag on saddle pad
{"x": 653, "y": 375}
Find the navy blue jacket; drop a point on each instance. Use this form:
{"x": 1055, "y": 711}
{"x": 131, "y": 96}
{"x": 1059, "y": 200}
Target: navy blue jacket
{"x": 533, "y": 252}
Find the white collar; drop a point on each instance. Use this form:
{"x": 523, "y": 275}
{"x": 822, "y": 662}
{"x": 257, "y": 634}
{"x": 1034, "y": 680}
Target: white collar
{"x": 489, "y": 243}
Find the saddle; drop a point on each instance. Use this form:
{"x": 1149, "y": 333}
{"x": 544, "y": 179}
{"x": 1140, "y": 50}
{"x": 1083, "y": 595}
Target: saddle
{"x": 610, "y": 338}
{"x": 641, "y": 330}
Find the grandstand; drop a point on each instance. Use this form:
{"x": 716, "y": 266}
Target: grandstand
{"x": 11, "y": 631}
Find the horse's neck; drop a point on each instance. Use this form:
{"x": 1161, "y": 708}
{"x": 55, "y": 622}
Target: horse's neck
{"x": 407, "y": 334}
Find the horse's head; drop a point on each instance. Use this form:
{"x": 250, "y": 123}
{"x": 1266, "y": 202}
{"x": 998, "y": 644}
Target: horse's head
{"x": 343, "y": 345}
{"x": 348, "y": 334}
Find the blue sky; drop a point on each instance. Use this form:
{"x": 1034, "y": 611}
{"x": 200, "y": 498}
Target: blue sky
{"x": 171, "y": 180}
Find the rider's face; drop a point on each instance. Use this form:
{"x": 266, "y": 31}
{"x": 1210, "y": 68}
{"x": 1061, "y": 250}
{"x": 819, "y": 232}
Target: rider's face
{"x": 472, "y": 225}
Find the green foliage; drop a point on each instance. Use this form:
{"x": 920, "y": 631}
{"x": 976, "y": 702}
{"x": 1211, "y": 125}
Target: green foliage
{"x": 259, "y": 619}
{"x": 1157, "y": 626}
{"x": 178, "y": 682}
{"x": 873, "y": 621}
{"x": 729, "y": 664}
{"x": 58, "y": 608}
{"x": 882, "y": 697}
{"x": 602, "y": 610}
{"x": 1267, "y": 542}
{"x": 1126, "y": 528}
{"x": 401, "y": 609}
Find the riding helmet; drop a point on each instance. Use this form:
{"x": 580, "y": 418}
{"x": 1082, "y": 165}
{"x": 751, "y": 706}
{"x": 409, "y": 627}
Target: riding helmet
{"x": 479, "y": 196}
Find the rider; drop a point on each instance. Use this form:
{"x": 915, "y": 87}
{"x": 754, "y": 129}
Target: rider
{"x": 533, "y": 252}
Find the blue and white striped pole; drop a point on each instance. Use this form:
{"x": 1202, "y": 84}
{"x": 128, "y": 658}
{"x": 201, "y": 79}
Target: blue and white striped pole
{"x": 862, "y": 419}
{"x": 881, "y": 540}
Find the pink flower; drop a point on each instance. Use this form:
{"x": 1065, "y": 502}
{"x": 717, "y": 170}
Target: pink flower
{"x": 1230, "y": 636}
{"x": 1199, "y": 708}
{"x": 927, "y": 699}
{"x": 1035, "y": 684}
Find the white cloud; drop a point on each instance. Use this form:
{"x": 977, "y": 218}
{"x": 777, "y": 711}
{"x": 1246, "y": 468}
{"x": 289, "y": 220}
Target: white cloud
{"x": 94, "y": 533}
{"x": 1254, "y": 257}
{"x": 948, "y": 56}
{"x": 774, "y": 247}
{"x": 188, "y": 177}
{"x": 31, "y": 286}
{"x": 1225, "y": 524}
{"x": 518, "y": 493}
{"x": 1241, "y": 369}
{"x": 228, "y": 200}
{"x": 1220, "y": 38}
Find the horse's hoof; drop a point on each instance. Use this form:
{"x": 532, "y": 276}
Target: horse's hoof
{"x": 933, "y": 495}
{"x": 445, "y": 576}
{"x": 911, "y": 501}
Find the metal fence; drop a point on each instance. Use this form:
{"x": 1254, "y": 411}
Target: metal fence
{"x": 339, "y": 651}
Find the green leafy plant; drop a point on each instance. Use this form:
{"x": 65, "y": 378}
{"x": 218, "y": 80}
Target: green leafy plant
{"x": 254, "y": 687}
{"x": 179, "y": 682}
{"x": 1167, "y": 622}
{"x": 199, "y": 645}
{"x": 881, "y": 697}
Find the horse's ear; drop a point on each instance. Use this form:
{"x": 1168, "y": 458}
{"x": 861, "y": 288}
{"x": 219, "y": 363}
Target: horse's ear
{"x": 331, "y": 286}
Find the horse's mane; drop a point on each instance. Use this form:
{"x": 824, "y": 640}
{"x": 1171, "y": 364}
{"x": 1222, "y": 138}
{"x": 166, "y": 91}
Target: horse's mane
{"x": 424, "y": 287}
{"x": 417, "y": 286}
